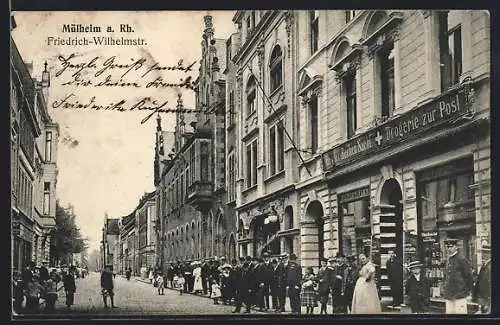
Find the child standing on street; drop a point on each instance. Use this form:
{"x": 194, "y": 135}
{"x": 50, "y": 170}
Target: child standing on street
{"x": 216, "y": 294}
{"x": 51, "y": 292}
{"x": 180, "y": 283}
{"x": 160, "y": 280}
{"x": 309, "y": 295}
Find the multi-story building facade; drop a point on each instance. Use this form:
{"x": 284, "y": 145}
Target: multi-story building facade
{"x": 109, "y": 242}
{"x": 394, "y": 112}
{"x": 196, "y": 221}
{"x": 263, "y": 85}
{"x": 127, "y": 243}
{"x": 145, "y": 214}
{"x": 34, "y": 139}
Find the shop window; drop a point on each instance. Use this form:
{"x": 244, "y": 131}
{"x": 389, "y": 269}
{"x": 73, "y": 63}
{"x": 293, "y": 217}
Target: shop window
{"x": 204, "y": 162}
{"x": 446, "y": 208}
{"x": 450, "y": 49}
{"x": 355, "y": 226}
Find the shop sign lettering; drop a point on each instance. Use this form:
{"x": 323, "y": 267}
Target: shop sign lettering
{"x": 354, "y": 195}
{"x": 446, "y": 109}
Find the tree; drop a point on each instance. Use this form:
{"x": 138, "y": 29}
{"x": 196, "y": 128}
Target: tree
{"x": 67, "y": 237}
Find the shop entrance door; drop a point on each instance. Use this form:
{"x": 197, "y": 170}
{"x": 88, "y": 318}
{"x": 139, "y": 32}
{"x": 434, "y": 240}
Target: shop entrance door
{"x": 391, "y": 243}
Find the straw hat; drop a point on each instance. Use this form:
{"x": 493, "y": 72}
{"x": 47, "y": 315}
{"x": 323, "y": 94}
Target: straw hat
{"x": 414, "y": 264}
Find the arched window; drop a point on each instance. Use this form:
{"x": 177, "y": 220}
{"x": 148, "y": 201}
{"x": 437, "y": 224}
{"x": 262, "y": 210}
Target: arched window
{"x": 251, "y": 93}
{"x": 275, "y": 66}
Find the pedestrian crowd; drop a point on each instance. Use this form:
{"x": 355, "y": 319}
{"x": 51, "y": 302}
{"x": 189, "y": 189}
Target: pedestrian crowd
{"x": 36, "y": 289}
{"x": 347, "y": 285}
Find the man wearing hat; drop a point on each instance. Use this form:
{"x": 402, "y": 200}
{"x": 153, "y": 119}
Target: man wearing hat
{"x": 280, "y": 278}
{"x": 482, "y": 287}
{"x": 293, "y": 273}
{"x": 458, "y": 282}
{"x": 394, "y": 268}
{"x": 107, "y": 286}
{"x": 417, "y": 289}
{"x": 237, "y": 275}
{"x": 325, "y": 275}
{"x": 263, "y": 277}
{"x": 351, "y": 278}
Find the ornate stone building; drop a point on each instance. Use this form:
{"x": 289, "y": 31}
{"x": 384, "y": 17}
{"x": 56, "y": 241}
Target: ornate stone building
{"x": 34, "y": 138}
{"x": 190, "y": 178}
{"x": 265, "y": 98}
{"x": 395, "y": 112}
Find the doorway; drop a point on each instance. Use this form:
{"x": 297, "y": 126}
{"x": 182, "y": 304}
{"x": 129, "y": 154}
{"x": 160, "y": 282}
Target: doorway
{"x": 391, "y": 243}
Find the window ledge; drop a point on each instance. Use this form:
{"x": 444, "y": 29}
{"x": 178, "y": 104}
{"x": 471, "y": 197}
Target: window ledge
{"x": 275, "y": 176}
{"x": 249, "y": 189}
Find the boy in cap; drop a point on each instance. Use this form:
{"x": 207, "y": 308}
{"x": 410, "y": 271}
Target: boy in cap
{"x": 458, "y": 282}
{"x": 417, "y": 289}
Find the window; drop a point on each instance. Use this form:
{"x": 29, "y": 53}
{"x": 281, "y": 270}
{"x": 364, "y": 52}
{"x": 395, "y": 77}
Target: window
{"x": 276, "y": 148}
{"x": 192, "y": 159}
{"x": 450, "y": 48}
{"x": 314, "y": 30}
{"x": 313, "y": 123}
{"x": 275, "y": 67}
{"x": 230, "y": 115}
{"x": 251, "y": 94}
{"x": 48, "y": 146}
{"x": 13, "y": 97}
{"x": 232, "y": 178}
{"x": 349, "y": 15}
{"x": 204, "y": 162}
{"x": 182, "y": 188}
{"x": 251, "y": 164}
{"x": 250, "y": 23}
{"x": 350, "y": 86}
{"x": 46, "y": 198}
{"x": 355, "y": 226}
{"x": 228, "y": 50}
{"x": 386, "y": 57}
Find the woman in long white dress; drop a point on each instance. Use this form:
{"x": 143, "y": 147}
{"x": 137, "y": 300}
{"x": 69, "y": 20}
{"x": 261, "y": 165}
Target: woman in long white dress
{"x": 198, "y": 286}
{"x": 365, "y": 299}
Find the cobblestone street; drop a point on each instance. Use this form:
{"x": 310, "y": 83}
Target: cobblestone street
{"x": 136, "y": 298}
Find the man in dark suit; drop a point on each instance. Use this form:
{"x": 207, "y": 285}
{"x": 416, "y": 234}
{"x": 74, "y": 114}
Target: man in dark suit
{"x": 325, "y": 274}
{"x": 248, "y": 283}
{"x": 351, "y": 278}
{"x": 395, "y": 276}
{"x": 482, "y": 287}
{"x": 263, "y": 277}
{"x": 281, "y": 282}
{"x": 237, "y": 276}
{"x": 458, "y": 282}
{"x": 44, "y": 272}
{"x": 293, "y": 273}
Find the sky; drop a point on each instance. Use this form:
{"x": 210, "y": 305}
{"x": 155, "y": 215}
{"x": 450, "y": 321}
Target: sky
{"x": 105, "y": 158}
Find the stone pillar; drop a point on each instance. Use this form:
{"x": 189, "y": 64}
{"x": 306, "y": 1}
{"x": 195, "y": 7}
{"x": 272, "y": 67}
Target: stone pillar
{"x": 309, "y": 244}
{"x": 432, "y": 58}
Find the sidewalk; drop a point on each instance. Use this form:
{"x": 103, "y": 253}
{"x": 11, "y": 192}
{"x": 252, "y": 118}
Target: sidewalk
{"x": 385, "y": 309}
